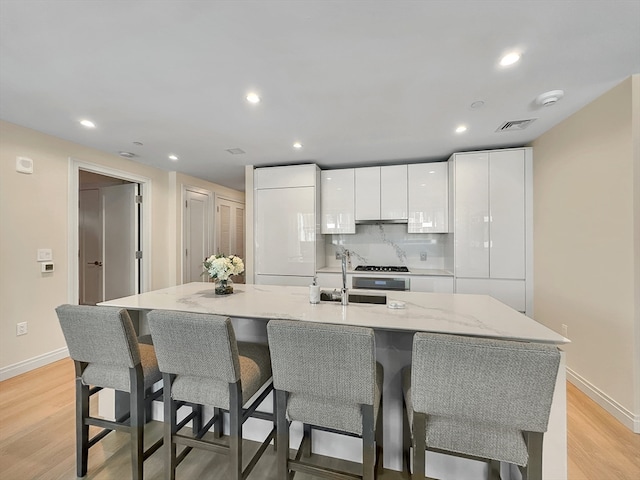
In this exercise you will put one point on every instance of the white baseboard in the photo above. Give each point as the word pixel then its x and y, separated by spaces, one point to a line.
pixel 33 363
pixel 624 416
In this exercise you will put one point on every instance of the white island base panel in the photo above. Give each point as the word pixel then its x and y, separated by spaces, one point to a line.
pixel 475 315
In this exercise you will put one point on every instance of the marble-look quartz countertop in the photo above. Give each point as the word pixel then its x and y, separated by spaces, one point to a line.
pixel 412 272
pixel 459 314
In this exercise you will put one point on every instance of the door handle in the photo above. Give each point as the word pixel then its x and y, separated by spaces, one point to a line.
pixel 96 263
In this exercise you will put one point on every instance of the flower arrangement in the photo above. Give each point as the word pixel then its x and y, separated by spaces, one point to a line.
pixel 221 267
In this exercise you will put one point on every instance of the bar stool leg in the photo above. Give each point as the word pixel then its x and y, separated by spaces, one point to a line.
pixel 82 430
pixel 235 431
pixel 282 431
pixel 170 428
pixel 419 445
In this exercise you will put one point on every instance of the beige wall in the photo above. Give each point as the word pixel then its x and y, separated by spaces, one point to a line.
pixel 586 245
pixel 34 214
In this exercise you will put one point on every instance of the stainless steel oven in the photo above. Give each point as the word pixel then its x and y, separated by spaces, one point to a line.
pixel 380 283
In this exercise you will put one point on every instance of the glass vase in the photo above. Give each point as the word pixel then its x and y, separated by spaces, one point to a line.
pixel 224 287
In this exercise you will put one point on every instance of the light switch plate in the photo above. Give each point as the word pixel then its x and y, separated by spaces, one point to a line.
pixel 45 254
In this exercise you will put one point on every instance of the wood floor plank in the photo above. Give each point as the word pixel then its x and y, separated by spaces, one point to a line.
pixel 37 439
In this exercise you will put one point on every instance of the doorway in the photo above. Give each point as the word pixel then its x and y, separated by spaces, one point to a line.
pixel 130 227
pixel 230 216
pixel 197 232
pixel 109 238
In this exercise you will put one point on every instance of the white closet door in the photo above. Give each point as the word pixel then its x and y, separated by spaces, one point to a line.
pixel 507 225
pixel 472 215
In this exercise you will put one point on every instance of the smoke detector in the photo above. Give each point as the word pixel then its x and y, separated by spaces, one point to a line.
pixel 549 98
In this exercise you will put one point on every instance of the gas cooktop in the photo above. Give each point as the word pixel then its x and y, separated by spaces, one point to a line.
pixel 375 268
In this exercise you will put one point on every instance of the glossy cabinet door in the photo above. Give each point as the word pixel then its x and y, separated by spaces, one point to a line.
pixel 282 177
pixel 367 181
pixel 337 201
pixel 432 284
pixel 428 197
pixel 285 233
pixel 510 292
pixel 471 238
pixel 393 192
pixel 507 214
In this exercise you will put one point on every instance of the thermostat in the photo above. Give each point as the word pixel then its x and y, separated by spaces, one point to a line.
pixel 47 267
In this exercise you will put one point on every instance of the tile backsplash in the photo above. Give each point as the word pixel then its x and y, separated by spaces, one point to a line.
pixel 390 244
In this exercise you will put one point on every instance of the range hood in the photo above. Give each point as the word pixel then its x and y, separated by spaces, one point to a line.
pixel 375 222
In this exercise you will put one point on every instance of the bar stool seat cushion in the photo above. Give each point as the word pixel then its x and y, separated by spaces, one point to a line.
pixel 255 370
pixel 329 414
pixel 117 377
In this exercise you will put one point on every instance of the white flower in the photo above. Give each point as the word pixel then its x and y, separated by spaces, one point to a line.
pixel 222 267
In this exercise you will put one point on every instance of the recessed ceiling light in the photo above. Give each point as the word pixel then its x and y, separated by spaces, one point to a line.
pixel 297 145
pixel 87 123
pixel 127 154
pixel 477 104
pixel 173 157
pixel 509 59
pixel 461 129
pixel 253 98
pixel 139 144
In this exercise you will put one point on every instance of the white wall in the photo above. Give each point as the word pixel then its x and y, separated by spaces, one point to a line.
pixel 34 214
pixel 586 241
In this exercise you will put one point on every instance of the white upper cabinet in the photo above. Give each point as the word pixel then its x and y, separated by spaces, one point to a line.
pixel 283 177
pixel 472 215
pixel 381 193
pixel 490 214
pixel 507 214
pixel 367 182
pixel 393 192
pixel 338 201
pixel 428 197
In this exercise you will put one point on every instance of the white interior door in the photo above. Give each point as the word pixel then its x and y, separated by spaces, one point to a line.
pixel 230 217
pixel 90 230
pixel 197 239
pixel 120 268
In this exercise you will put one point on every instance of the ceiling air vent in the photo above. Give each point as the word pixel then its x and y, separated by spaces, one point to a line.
pixel 515 125
pixel 235 151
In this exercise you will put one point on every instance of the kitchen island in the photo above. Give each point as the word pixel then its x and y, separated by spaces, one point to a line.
pixel 251 306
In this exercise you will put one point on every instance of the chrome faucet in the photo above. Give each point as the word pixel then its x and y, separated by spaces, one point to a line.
pixel 345 290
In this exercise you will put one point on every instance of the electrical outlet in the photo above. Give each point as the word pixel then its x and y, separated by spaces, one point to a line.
pixel 423 256
pixel 565 331
pixel 21 328
pixel 338 256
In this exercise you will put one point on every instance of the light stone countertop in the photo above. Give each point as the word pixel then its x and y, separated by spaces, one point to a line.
pixel 459 314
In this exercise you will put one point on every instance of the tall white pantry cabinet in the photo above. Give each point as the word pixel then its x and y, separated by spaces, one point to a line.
pixel 493 225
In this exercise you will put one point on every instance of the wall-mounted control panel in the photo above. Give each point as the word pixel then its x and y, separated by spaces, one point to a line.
pixel 47 267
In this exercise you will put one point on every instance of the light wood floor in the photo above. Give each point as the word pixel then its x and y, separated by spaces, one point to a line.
pixel 37 439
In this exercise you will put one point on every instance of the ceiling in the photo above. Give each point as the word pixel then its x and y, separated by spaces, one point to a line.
pixel 356 82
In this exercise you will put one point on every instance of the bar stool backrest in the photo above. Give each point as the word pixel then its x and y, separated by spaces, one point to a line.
pixel 99 335
pixel 193 344
pixel 494 381
pixel 323 361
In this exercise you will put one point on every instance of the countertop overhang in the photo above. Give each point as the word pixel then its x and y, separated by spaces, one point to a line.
pixel 458 314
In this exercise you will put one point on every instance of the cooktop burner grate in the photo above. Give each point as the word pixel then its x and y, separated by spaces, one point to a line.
pixel 376 268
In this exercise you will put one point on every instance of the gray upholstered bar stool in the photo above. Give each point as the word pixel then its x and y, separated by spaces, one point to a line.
pixel 327 377
pixel 103 345
pixel 478 398
pixel 202 364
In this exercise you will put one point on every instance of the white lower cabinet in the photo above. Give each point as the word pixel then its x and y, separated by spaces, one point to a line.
pixel 286 280
pixel 432 284
pixel 510 292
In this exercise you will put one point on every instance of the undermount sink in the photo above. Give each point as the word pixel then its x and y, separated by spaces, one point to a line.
pixel 334 296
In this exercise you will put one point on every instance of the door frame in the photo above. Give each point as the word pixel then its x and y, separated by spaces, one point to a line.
pixel 73 244
pixel 211 222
